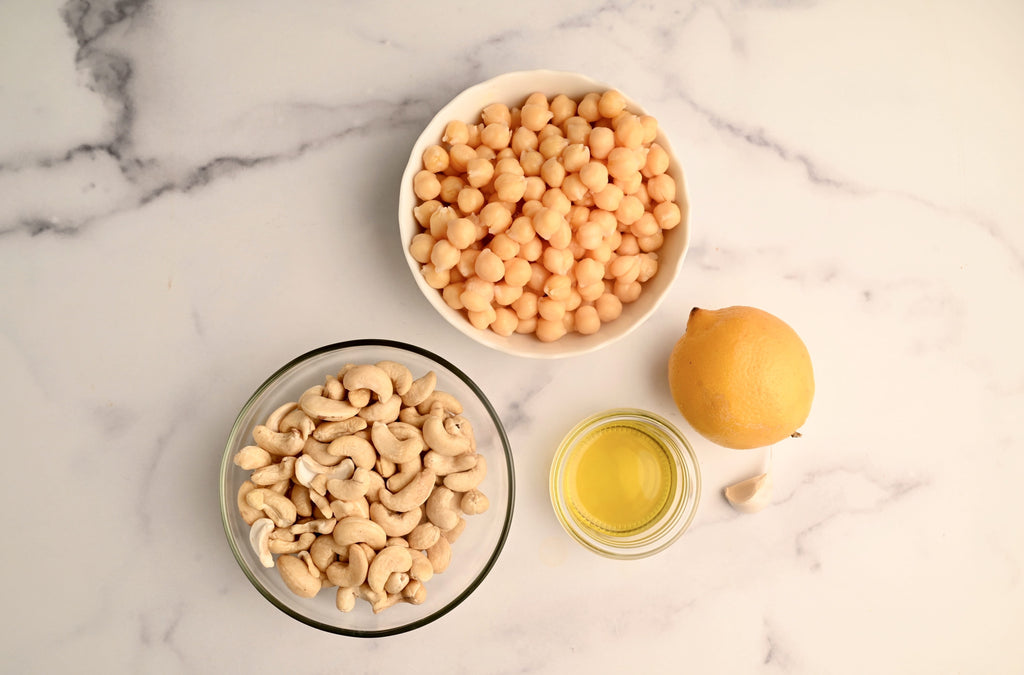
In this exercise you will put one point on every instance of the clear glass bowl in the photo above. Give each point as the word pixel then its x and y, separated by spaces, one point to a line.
pixel 682 473
pixel 473 555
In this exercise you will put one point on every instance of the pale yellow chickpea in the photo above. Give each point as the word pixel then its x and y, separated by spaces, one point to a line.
pixel 515 118
pixel 422 212
pixel 625 268
pixel 459 156
pixel 608 198
pixel 614 240
pixel 575 157
pixel 552 172
pixel 574 301
pixel 651 242
pixel 558 286
pixel 602 253
pixel 668 215
pixel 535 187
pixel 589 235
pixel 546 222
pixel 630 183
pixel 591 292
pixel 622 162
pixel 650 125
pixel 595 176
pixel 627 291
pixel 434 277
pixel 505 293
pixel 474 130
pixel 483 318
pixel 648 267
pixel 451 293
pixel 587 321
pixel 609 307
pixel 532 249
pixel 611 103
pixel 549 131
pixel 527 326
pixel 549 331
pixel 479 172
pixel 523 139
pixel 536 98
pixel 588 107
pixel 657 161
pixel 461 232
pixel 435 159
pixel 573 188
pixel 644 226
pixel 509 187
pixel 496 136
pixel 467 261
pixel 629 211
pixel 576 130
pixel 504 153
pixel 426 185
pixel 421 246
pixel 534 116
pixel 526 306
pixel 643 196
pixel 496 113
pixel 455 277
pixel 605 220
pixel 470 199
pixel 588 271
pixel 521 230
pixel 508 165
pixel 517 272
pixel 552 146
pixel 504 246
pixel 601 142
pixel 532 163
pixel 505 321
pixel 630 132
pixel 456 133
pixel 496 216
pixel 662 188
pixel 577 215
pixel 627 244
pixel 556 200
pixel 562 108
pixel 490 267
pixel 550 309
pixel 477 294
pixel 569 321
pixel 562 237
pixel 483 152
pixel 439 220
pixel 451 186
pixel 538 277
pixel 444 255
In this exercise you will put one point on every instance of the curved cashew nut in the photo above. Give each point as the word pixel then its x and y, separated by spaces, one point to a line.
pixel 299 420
pixel 398 442
pixel 308 469
pixel 333 388
pixel 354 530
pixel 281 443
pixel 319 407
pixel 353 507
pixel 259 539
pixel 274 473
pixel 412 417
pixel 359 449
pixel 301 544
pixel 422 569
pixel 440 555
pixel 406 472
pixel 249 514
pixel 318 451
pixel 322 503
pixel 458 425
pixel 370 377
pixel 438 439
pixel 382 411
pixel 444 465
pixel 465 481
pixel 391 559
pixel 423 536
pixel 412 495
pixel 316 526
pixel 401 377
pixel 323 551
pixel 252 457
pixel 274 419
pixel 395 524
pixel 415 593
pixel 396 583
pixel 326 432
pixel 449 403
pixel 360 398
pixel 385 467
pixel 351 573
pixel 345 600
pixel 456 532
pixel 398 541
pixel 442 508
pixel 295 574
pixel 474 502
pixel 299 495
pixel 277 507
pixel 420 389
pixel 350 488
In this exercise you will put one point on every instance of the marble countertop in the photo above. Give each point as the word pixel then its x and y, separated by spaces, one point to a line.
pixel 191 194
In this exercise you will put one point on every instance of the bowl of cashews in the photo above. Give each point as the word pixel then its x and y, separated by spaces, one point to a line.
pixel 367 488
pixel 544 214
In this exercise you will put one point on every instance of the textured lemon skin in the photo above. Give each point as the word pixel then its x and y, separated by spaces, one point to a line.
pixel 741 377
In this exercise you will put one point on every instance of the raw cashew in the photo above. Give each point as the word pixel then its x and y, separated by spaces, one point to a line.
pixel 423 536
pixel 442 508
pixel 319 407
pixel 422 569
pixel 318 451
pixel 395 524
pixel 326 432
pixel 376 485
pixel 273 421
pixel 350 573
pixel 249 514
pixel 300 421
pixel 369 377
pixel 439 440
pixel 420 389
pixel 350 488
pixel 448 403
pixel 277 507
pixel 385 467
pixel 281 443
pixel 301 544
pixel 316 525
pixel 353 530
pixel 359 449
pixel 299 495
pixel 398 442
pixel 396 583
pixel 397 541
pixel 474 502
pixel 464 481
pixel 252 457
pixel 382 411
pixel 360 398
pixel 306 558
pixel 323 551
pixel 444 465
pixel 412 417
pixel 412 495
pixel 296 576
pixel 259 539
pixel 457 425
pixel 274 473
pixel 391 559
pixel 333 388
pixel 308 469
pixel 353 507
pixel 345 601
pixel 440 555
pixel 406 472
pixel 456 532
pixel 401 377
pixel 415 593
pixel 322 504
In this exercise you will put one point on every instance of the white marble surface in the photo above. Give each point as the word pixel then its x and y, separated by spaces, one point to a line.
pixel 190 192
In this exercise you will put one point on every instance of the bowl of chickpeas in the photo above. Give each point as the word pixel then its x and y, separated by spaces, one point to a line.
pixel 544 214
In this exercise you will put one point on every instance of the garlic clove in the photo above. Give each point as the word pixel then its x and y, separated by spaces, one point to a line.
pixel 750 495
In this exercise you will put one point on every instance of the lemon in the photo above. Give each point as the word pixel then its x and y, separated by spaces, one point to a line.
pixel 741 377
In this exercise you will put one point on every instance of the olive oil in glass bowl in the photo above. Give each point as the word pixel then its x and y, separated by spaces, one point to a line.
pixel 625 483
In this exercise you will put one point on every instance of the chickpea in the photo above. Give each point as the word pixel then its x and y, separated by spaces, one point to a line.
pixel 630 210
pixel 496 113
pixel 622 162
pixel 662 188
pixel 521 230
pixel 434 277
pixel 504 246
pixel 496 135
pixel 488 266
pixel 627 291
pixel 456 133
pixel 439 221
pixel 426 185
pixel 508 165
pixel 505 294
pixel 608 307
pixel 435 159
pixel 630 183
pixel 611 104
pixel 549 331
pixel 588 107
pixel 629 132
pixel 627 245
pixel 423 211
pixel 589 235
pixel 532 249
pixel 588 271
pixel 556 200
pixel 625 268
pixel 549 130
pixel 552 146
pixel 668 215
pixel 505 321
pixel 587 321
pixel 451 186
pixel 557 260
pixel 577 130
pixel 459 156
pixel 483 152
pixel 477 294
pixel 552 172
pixel 470 199
pixel 461 233
pixel 504 153
pixel 614 240
pixel 532 162
pixel 573 189
pixel 517 272
pixel 538 277
pixel 421 246
pixel 602 254
pixel 595 176
pixel 547 221
pixel 558 286
pixel 652 242
pixel 479 172
pixel 526 306
pixel 467 261
pixel 575 157
pixel 577 215
pixel 608 198
pixel 496 217
pixel 657 161
pixel 644 226
pixel 531 207
pixel 535 116
pixel 509 187
pixel 648 267
pixel 523 139
pixel 550 309
pixel 601 142
pixel 444 255
pixel 451 293
pixel 535 187
pixel 650 125
pixel 483 318
pixel 591 292
pixel 561 238
pixel 527 326
pixel 562 108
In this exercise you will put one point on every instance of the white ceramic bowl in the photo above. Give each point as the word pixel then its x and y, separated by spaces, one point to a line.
pixel 473 554
pixel 512 89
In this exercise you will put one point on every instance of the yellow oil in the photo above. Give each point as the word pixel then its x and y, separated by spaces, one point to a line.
pixel 618 479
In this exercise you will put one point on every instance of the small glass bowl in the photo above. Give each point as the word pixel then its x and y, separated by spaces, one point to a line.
pixel 473 555
pixel 673 517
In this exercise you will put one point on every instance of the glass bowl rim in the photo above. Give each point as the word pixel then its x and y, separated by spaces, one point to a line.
pixel 226 464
